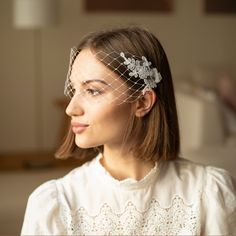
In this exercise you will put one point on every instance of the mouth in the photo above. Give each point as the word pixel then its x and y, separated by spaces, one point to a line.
pixel 78 128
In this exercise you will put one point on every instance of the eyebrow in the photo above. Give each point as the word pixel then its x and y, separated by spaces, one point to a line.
pixel 95 80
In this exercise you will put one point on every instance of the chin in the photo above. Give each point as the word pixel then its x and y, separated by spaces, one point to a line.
pixel 85 144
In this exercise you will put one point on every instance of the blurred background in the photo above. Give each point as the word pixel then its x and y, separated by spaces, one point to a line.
pixel 36 36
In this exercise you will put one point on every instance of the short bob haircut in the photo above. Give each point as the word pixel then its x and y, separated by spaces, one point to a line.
pixel 156 135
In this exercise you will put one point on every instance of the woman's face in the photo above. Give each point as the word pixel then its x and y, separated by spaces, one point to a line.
pixel 98 116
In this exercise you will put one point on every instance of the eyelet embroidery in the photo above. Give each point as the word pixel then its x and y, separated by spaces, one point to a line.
pixel 179 218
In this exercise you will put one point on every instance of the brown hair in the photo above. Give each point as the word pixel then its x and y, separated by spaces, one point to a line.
pixel 156 135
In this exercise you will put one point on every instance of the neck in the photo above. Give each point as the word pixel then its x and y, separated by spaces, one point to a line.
pixel 121 164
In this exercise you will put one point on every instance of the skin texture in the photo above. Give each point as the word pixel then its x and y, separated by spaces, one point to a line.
pixel 91 105
pixel 98 118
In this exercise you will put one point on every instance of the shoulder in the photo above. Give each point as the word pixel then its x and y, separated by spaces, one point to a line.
pixel 219 201
pixel 42 207
pixel 195 177
pixel 182 169
pixel 215 183
pixel 219 184
pixel 58 190
pixel 51 189
pixel 45 191
pixel 220 177
pixel 43 201
pixel 74 184
pixel 195 170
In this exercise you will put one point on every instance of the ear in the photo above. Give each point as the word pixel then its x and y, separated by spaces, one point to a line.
pixel 145 103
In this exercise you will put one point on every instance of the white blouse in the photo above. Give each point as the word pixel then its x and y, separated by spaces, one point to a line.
pixel 177 197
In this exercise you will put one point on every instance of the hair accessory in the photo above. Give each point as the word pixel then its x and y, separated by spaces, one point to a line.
pixel 125 78
pixel 68 89
pixel 141 68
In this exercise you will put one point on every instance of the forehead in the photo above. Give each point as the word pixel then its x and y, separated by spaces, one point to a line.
pixel 87 66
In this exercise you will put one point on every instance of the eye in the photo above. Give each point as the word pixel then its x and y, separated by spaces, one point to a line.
pixel 94 92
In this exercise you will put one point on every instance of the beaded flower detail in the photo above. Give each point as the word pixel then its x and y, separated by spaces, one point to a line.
pixel 142 69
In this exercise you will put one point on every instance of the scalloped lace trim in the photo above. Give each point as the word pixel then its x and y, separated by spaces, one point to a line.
pixel 179 218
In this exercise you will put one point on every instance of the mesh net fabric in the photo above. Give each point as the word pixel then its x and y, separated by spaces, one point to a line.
pixel 126 77
pixel 68 89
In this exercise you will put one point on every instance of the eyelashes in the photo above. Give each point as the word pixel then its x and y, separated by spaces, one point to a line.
pixel 92 92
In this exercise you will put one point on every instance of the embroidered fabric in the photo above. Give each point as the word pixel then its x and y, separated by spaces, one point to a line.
pixel 178 218
pixel 142 68
pixel 185 199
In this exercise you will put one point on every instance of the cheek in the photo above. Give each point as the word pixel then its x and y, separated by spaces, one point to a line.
pixel 115 116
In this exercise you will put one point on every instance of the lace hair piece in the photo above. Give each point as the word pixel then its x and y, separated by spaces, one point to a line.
pixel 125 77
pixel 141 68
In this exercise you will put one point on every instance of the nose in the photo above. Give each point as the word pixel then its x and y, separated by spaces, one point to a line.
pixel 74 108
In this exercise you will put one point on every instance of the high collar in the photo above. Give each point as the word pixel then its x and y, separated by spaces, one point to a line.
pixel 128 183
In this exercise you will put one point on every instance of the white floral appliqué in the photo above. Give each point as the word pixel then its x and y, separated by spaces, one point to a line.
pixel 142 69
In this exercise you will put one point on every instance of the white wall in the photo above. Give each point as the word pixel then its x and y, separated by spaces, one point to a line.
pixel 189 36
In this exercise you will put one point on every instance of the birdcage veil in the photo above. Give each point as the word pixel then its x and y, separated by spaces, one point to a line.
pixel 128 77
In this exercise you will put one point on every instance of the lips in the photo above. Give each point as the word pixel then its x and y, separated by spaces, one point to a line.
pixel 78 128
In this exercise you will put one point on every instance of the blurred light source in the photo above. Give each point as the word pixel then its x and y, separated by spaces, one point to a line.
pixel 33 14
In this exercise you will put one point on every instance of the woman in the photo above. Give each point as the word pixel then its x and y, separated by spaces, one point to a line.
pixel 124 124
